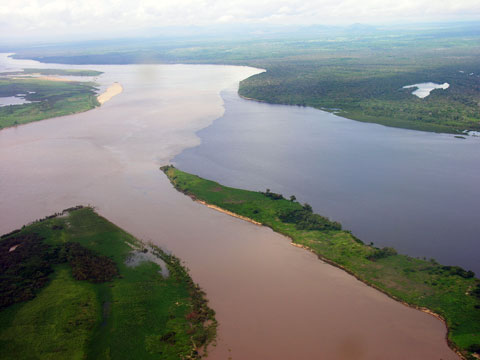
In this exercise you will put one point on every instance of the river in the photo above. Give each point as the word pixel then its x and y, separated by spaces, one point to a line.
pixel 273 300
pixel 416 191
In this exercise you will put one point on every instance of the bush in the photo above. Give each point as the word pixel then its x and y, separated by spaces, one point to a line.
pixel 25 265
pixel 476 292
pixel 475 348
pixel 457 270
pixel 273 196
pixel 86 265
pixel 382 253
pixel 306 220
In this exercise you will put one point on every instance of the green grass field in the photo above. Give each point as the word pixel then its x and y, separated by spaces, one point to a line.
pixel 50 99
pixel 451 292
pixel 140 314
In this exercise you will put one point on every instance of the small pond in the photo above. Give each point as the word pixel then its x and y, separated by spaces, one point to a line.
pixel 424 89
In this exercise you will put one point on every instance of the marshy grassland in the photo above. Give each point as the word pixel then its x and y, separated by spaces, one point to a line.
pixel 69 292
pixel 449 292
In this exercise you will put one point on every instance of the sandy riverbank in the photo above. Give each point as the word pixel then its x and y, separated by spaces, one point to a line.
pixel 112 91
pixel 228 212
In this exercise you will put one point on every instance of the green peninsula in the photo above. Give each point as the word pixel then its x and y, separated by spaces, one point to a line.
pixel 450 292
pixel 75 286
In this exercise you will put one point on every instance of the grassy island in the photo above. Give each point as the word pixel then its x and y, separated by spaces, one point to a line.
pixel 75 286
pixel 47 98
pixel 450 292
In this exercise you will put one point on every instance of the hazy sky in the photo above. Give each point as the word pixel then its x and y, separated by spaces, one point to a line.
pixel 63 17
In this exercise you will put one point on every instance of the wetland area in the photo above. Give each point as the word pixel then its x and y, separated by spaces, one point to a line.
pixel 272 300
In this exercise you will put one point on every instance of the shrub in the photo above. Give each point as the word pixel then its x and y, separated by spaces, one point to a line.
pixel 475 348
pixel 306 220
pixel 382 253
pixel 86 265
pixel 273 196
pixel 476 291
pixel 457 270
pixel 25 265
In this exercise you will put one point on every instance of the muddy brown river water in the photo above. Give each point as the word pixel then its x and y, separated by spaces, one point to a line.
pixel 273 300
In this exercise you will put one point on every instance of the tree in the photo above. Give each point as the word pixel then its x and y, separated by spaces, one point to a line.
pixel 308 207
pixel 293 198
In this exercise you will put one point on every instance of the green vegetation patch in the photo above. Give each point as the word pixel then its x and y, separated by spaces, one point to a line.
pixel 25 264
pixel 86 265
pixel 55 325
pixel 449 291
pixel 49 99
pixel 75 297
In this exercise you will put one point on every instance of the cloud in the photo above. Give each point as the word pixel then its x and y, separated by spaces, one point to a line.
pixel 50 16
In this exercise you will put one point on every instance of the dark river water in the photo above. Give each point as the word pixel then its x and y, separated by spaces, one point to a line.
pixel 272 300
pixel 416 191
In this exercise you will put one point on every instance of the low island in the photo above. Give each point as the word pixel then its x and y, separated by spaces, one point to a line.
pixel 75 286
pixel 45 94
pixel 447 292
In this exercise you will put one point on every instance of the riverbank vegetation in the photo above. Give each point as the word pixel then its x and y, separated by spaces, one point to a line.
pixel 47 99
pixel 449 291
pixel 68 292
pixel 357 71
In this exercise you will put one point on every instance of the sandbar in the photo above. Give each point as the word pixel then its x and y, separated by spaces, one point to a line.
pixel 112 91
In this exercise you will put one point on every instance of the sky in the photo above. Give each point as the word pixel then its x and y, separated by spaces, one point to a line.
pixel 63 18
